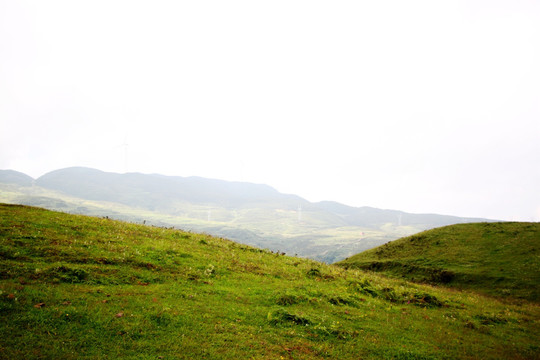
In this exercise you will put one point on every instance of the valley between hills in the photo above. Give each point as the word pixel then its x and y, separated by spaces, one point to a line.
pixel 252 214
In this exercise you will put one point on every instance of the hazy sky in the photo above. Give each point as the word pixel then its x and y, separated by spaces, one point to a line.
pixel 421 106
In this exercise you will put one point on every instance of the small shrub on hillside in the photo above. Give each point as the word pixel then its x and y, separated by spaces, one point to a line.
pixel 423 299
pixel 470 325
pixel 390 295
pixel 418 238
pixel 63 274
pixel 316 273
pixel 441 276
pixel 334 330
pixel 281 316
pixel 289 299
pixel 363 286
pixel 340 300
pixel 313 272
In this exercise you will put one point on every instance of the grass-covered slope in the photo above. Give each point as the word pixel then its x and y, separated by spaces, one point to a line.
pixel 501 259
pixel 78 287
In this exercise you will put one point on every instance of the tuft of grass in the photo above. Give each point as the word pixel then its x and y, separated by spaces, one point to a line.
pixel 76 286
pixel 281 316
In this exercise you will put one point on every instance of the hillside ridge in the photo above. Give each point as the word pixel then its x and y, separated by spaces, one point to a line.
pixel 499 259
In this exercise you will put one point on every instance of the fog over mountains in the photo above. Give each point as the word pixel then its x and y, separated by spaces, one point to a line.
pixel 255 214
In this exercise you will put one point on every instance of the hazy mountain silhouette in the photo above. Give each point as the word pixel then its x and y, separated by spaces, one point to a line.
pixel 15 177
pixel 155 191
pixel 369 216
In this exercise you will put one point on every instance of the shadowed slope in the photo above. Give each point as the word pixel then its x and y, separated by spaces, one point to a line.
pixel 495 258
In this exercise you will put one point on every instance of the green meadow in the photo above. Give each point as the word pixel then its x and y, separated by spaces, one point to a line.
pixel 75 287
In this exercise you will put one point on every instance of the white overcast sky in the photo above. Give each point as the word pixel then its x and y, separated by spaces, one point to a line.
pixel 421 106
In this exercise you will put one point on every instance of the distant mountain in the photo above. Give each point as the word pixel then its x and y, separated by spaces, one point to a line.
pixel 159 192
pixel 254 214
pixel 369 216
pixel 15 177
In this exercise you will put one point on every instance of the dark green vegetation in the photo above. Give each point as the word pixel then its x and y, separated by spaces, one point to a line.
pixel 79 287
pixel 500 259
pixel 253 214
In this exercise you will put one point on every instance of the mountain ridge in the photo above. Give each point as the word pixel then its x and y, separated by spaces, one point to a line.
pixel 43 180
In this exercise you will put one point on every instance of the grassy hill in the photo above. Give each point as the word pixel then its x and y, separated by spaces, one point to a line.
pixel 501 259
pixel 79 287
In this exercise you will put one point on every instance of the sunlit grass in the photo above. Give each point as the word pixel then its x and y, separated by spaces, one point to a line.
pixel 81 287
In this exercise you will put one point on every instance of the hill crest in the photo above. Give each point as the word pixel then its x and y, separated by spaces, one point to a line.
pixel 499 259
